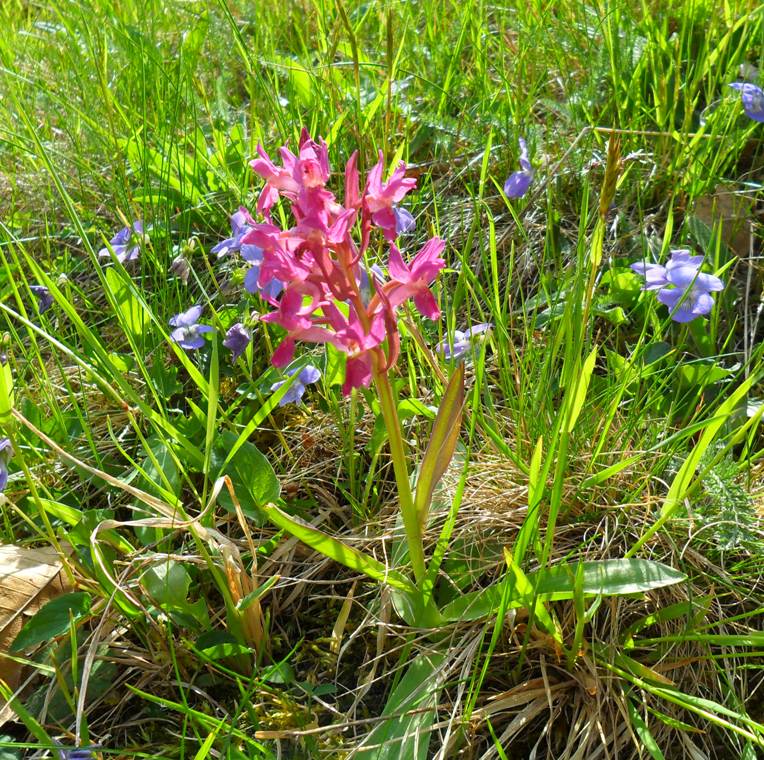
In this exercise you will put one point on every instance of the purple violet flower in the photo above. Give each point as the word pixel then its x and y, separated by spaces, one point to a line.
pixel 44 298
pixel 681 286
pixel 6 452
pixel 77 753
pixel 462 341
pixel 188 332
pixel 753 99
pixel 518 183
pixel 237 339
pixel 404 221
pixel 308 375
pixel 241 224
pixel 126 244
pixel 364 281
pixel 270 290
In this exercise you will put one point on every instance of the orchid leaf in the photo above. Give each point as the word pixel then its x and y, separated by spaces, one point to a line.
pixel 442 444
pixel 615 577
pixel 523 589
pixel 338 551
pixel 409 713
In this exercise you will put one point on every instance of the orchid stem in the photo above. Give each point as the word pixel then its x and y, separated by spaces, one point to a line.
pixel 398 455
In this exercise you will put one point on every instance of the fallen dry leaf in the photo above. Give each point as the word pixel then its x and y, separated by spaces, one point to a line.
pixel 28 579
pixel 731 210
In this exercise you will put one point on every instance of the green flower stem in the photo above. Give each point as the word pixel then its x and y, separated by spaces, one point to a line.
pixel 398 455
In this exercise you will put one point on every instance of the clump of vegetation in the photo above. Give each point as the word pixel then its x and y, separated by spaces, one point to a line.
pixel 453 453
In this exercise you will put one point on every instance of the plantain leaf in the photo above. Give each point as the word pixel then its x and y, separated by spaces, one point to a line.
pixel 440 449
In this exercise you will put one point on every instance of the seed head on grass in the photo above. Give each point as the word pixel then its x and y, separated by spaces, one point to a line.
pixel 188 332
pixel 681 285
pixel 612 171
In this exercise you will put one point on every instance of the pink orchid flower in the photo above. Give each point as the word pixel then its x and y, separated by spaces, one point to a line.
pixel 414 280
pixel 380 197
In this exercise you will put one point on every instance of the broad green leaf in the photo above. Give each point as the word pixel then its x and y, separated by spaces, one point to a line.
pixel 336 550
pixel 524 591
pixel 536 485
pixel 7 752
pixel 63 512
pixel 582 386
pixel 193 38
pixel 613 314
pixel 161 473
pixel 411 407
pixel 642 731
pixel 703 373
pixel 614 577
pixel 133 316
pixel 167 582
pixel 52 620
pixel 122 362
pixel 302 83
pixel 83 523
pixel 409 713
pixel 334 367
pixel 253 596
pixel 161 478
pixel 252 475
pixel 6 393
pixel 219 645
pixel 440 449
